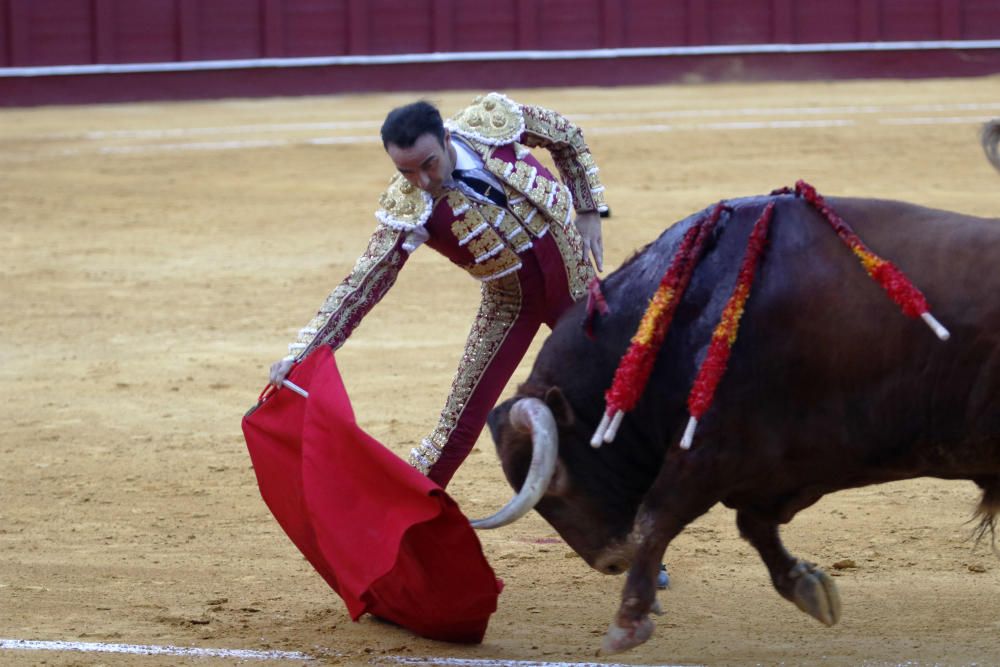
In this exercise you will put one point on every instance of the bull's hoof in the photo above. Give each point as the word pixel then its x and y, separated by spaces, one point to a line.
pixel 656 608
pixel 815 593
pixel 619 639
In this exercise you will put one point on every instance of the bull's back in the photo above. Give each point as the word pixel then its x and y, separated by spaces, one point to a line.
pixel 946 253
pixel 825 365
pixel 827 368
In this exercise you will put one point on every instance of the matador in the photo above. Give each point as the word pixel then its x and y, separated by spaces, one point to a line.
pixel 470 189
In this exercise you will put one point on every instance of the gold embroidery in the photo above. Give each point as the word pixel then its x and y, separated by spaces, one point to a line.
pixel 579 271
pixel 564 140
pixel 562 206
pixel 403 206
pixel 523 177
pixel 493 119
pixel 373 274
pixel 507 224
pixel 476 229
pixel 540 191
pixel 587 160
pixel 457 202
pixel 545 126
pixel 500 307
pixel 468 225
pixel 485 245
pixel 506 262
pixel 596 189
pixel 522 209
pixel 499 168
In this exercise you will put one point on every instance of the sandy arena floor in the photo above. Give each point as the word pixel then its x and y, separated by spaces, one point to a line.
pixel 156 258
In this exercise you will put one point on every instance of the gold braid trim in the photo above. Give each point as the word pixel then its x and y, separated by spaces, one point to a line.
pixel 579 271
pixel 564 140
pixel 374 273
pixel 486 245
pixel 467 226
pixel 403 206
pixel 503 264
pixel 492 119
pixel 509 226
pixel 540 193
pixel 498 310
pixel 457 202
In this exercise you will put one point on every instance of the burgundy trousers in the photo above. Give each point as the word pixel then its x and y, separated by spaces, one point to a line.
pixel 513 309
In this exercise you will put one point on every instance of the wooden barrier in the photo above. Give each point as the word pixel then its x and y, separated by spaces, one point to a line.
pixel 60 51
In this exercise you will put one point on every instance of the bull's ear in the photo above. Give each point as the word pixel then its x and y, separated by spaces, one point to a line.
pixel 561 410
pixel 560 484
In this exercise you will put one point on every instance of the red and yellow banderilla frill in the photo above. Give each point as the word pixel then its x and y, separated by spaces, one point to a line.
pixel 636 365
pixel 899 288
pixel 717 358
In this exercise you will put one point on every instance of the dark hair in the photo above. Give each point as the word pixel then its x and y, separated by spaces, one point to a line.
pixel 404 125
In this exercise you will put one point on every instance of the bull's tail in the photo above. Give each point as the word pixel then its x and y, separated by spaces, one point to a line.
pixel 991 142
pixel 986 513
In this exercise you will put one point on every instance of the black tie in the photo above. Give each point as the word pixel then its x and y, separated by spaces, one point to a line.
pixel 481 186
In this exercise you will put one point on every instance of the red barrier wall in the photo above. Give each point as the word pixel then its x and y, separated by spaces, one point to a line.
pixel 45 33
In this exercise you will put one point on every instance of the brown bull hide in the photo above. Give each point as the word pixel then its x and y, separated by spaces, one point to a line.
pixel 829 387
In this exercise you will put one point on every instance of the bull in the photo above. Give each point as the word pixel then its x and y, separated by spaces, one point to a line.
pixel 829 387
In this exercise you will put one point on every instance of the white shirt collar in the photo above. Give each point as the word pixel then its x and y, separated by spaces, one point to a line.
pixel 465 157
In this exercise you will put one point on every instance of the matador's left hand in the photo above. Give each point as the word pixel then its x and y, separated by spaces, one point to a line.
pixel 589 225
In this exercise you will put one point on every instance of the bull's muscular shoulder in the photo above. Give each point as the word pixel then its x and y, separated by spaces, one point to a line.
pixel 403 206
pixel 492 119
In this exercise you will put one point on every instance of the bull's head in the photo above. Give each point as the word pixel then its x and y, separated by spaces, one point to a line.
pixel 538 441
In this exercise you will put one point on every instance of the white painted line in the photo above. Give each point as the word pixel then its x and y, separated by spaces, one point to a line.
pixel 144 649
pixel 718 127
pixel 596 130
pixel 246 654
pixel 792 111
pixel 324 141
pixel 482 662
pixel 226 145
pixel 849 110
pixel 195 146
pixel 935 120
pixel 487 56
pixel 227 129
pixel 350 140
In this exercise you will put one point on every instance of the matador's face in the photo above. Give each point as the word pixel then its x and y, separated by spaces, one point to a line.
pixel 427 164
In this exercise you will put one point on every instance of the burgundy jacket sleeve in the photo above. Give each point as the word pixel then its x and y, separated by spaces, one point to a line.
pixel 564 140
pixel 374 273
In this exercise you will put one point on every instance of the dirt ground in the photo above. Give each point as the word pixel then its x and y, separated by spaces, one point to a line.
pixel 156 258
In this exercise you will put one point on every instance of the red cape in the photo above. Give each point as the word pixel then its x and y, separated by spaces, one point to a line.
pixel 388 540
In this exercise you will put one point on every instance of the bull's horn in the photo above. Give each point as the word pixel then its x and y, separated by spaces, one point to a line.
pixel 533 416
pixel 991 142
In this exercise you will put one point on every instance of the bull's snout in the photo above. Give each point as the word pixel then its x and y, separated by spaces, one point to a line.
pixel 611 563
pixel 614 558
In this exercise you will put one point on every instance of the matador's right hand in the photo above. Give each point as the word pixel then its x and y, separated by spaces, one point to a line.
pixel 279 370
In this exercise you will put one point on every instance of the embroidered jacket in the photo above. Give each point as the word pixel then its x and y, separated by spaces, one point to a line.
pixel 482 238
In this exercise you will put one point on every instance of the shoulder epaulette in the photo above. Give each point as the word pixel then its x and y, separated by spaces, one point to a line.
pixel 492 119
pixel 403 206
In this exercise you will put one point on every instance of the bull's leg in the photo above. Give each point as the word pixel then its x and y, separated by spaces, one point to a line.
pixel 674 501
pixel 810 588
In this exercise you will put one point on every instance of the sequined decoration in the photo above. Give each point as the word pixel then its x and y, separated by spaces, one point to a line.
pixel 547 129
pixel 373 274
pixel 492 119
pixel 500 306
pixel 403 206
pixel 579 270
